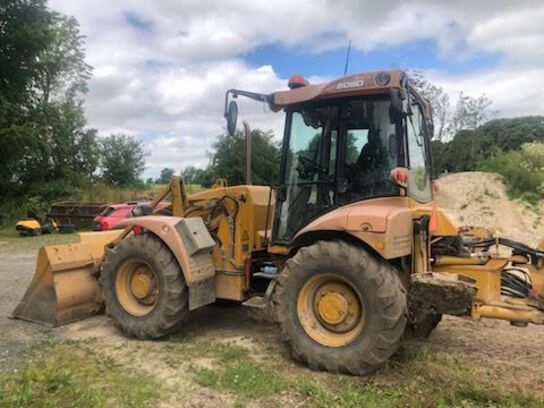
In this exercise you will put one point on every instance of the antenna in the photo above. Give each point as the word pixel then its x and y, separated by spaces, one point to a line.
pixel 347 58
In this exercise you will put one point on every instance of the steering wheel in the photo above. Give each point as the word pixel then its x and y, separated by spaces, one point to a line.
pixel 308 165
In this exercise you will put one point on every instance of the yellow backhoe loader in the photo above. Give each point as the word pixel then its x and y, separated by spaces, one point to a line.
pixel 349 249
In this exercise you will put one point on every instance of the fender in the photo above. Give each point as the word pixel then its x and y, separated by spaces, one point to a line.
pixel 187 238
pixel 383 224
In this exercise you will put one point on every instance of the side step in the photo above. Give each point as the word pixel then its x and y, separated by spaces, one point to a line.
pixel 256 301
pixel 261 302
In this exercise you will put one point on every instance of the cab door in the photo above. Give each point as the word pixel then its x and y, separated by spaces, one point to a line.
pixel 308 175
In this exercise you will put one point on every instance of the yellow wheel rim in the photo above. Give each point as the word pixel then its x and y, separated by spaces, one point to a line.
pixel 137 288
pixel 330 310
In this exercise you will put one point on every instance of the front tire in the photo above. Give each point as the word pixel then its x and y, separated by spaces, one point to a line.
pixel 143 287
pixel 339 308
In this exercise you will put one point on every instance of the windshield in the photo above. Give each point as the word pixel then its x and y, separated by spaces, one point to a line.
pixel 335 154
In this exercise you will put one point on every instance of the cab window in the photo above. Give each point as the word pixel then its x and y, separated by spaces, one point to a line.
pixel 369 156
pixel 419 180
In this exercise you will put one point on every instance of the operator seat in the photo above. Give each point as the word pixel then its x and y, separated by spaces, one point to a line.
pixel 372 153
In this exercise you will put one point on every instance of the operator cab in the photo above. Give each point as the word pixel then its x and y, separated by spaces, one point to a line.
pixel 339 151
pixel 341 142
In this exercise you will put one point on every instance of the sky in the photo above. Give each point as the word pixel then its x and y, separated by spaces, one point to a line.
pixel 161 67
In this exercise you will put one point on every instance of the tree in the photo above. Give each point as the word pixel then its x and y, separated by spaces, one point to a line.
pixel 43 78
pixel 122 160
pixel 439 99
pixel 166 175
pixel 62 72
pixel 469 148
pixel 24 35
pixel 228 159
pixel 468 113
pixel 193 175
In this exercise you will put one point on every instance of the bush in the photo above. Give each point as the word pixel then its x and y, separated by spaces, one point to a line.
pixel 469 147
pixel 522 171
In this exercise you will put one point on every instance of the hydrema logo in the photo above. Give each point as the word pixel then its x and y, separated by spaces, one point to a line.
pixel 350 84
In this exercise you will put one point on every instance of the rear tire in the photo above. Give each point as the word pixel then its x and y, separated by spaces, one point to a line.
pixel 143 287
pixel 345 275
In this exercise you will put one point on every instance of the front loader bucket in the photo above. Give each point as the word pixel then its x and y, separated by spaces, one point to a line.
pixel 64 287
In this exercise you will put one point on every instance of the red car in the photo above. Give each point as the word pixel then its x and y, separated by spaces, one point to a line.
pixel 112 215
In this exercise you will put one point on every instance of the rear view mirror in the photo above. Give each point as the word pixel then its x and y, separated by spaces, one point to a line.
pixel 396 110
pixel 232 117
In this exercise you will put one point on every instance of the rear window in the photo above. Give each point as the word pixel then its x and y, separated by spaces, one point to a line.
pixel 120 212
pixel 107 211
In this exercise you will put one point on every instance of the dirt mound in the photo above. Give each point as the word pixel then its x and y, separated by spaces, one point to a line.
pixel 480 199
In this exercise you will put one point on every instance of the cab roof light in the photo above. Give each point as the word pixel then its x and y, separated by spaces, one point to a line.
pixel 297 81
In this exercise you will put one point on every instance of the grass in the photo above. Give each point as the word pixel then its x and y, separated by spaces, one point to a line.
pixel 412 379
pixel 246 379
pixel 72 374
pixel 347 393
pixel 33 243
pixel 491 194
pixel 427 379
pixel 63 375
pixel 188 347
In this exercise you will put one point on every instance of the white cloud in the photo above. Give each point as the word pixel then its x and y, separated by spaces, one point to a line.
pixel 513 93
pixel 163 77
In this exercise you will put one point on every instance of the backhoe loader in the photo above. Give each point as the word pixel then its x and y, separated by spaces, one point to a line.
pixel 348 249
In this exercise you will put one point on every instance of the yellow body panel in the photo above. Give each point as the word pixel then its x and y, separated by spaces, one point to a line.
pixel 239 231
pixel 30 224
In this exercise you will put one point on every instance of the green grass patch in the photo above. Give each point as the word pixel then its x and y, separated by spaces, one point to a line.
pixel 412 379
pixel 33 243
pixel 191 348
pixel 246 379
pixel 347 392
pixel 417 379
pixel 64 375
pixel 425 379
pixel 233 369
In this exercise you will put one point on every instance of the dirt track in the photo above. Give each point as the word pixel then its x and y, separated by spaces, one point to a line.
pixel 16 270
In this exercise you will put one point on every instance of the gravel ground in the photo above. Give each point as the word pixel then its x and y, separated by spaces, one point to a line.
pixel 16 270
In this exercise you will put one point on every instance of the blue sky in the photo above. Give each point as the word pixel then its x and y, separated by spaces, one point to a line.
pixel 161 67
pixel 421 55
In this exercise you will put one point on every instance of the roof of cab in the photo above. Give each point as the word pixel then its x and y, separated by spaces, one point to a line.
pixel 365 83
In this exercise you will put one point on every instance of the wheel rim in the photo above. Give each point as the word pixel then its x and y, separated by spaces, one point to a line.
pixel 330 310
pixel 137 288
